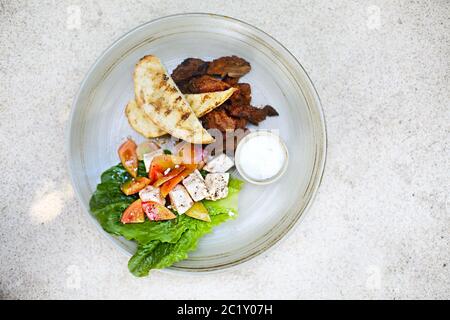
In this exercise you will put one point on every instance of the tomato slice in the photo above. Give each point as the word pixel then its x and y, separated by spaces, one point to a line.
pixel 160 164
pixel 134 213
pixel 157 212
pixel 171 174
pixel 128 157
pixel 135 185
pixel 198 211
pixel 169 185
pixel 155 173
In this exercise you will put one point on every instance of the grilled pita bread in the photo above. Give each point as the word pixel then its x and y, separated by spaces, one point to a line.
pixel 201 104
pixel 140 122
pixel 159 97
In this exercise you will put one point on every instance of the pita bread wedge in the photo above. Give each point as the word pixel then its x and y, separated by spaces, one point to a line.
pixel 140 122
pixel 201 104
pixel 157 94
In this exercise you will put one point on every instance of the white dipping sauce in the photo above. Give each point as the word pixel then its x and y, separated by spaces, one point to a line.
pixel 262 157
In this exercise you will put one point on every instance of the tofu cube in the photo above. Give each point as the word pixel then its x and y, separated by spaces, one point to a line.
pixel 217 185
pixel 180 199
pixel 221 163
pixel 195 185
pixel 151 193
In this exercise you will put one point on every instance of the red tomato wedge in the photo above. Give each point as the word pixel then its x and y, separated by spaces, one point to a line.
pixel 135 185
pixel 134 213
pixel 157 212
pixel 169 185
pixel 128 157
pixel 154 174
pixel 160 164
pixel 171 174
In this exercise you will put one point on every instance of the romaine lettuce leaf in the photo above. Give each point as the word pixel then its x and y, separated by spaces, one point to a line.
pixel 162 243
pixel 228 204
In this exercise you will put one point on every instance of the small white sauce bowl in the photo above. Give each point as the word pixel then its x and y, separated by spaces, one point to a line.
pixel 241 146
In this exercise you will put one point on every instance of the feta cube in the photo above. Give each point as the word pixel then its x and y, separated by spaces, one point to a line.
pixel 195 185
pixel 217 185
pixel 221 163
pixel 151 193
pixel 148 158
pixel 180 199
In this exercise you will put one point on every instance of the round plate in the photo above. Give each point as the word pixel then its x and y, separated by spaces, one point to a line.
pixel 266 213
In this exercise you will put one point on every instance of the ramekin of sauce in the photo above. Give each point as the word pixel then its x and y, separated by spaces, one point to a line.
pixel 261 157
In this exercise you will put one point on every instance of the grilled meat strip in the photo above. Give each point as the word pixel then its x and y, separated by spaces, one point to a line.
pixel 231 66
pixel 219 119
pixel 189 68
pixel 252 114
pixel 271 112
pixel 231 81
pixel 243 96
pixel 206 83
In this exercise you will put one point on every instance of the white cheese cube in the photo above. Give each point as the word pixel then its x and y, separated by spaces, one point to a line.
pixel 151 193
pixel 180 199
pixel 217 185
pixel 148 158
pixel 221 163
pixel 195 185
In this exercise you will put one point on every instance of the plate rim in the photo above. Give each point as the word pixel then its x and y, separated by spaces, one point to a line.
pixel 321 165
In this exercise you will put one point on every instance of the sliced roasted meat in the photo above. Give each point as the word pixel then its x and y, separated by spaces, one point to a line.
pixel 230 80
pixel 184 86
pixel 206 83
pixel 219 119
pixel 271 112
pixel 189 68
pixel 252 114
pixel 197 76
pixel 231 66
pixel 240 123
pixel 243 96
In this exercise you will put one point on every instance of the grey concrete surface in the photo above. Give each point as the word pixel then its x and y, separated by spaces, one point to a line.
pixel 379 227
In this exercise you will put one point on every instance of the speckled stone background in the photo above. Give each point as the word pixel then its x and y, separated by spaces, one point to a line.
pixel 379 227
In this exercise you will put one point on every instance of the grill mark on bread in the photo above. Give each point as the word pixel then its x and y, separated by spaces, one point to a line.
pixel 167 111
pixel 184 116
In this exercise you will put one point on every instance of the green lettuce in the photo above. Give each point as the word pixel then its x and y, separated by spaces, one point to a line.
pixel 162 243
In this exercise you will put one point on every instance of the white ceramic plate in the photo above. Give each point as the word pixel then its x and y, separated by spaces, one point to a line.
pixel 266 213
